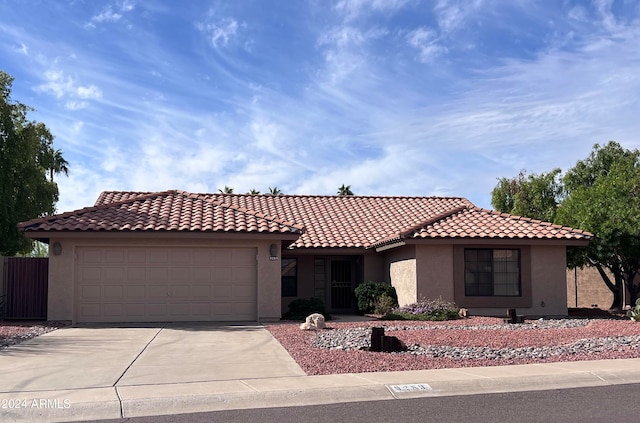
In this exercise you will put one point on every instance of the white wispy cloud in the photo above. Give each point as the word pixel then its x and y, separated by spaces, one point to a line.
pixel 111 13
pixel 427 42
pixel 352 9
pixel 342 100
pixel 219 33
pixel 62 86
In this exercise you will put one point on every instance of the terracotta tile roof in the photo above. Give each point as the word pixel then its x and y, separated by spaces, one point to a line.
pixel 474 222
pixel 322 221
pixel 162 211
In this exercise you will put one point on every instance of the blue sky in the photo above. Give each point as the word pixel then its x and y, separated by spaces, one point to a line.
pixel 392 97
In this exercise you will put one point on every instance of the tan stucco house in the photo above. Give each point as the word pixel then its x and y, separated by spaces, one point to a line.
pixel 178 256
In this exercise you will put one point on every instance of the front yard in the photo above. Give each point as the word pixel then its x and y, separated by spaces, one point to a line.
pixel 477 341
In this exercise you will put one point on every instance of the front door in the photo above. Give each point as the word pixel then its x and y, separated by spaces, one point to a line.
pixel 342 278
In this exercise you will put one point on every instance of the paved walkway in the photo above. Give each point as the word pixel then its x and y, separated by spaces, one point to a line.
pixel 94 372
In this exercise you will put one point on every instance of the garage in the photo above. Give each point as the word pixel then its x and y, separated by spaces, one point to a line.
pixel 156 284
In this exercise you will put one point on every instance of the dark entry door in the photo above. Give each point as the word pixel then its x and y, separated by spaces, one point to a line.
pixel 342 277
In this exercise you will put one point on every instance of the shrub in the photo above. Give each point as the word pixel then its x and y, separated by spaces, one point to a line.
pixel 368 293
pixel 384 304
pixel 425 310
pixel 302 307
pixel 634 313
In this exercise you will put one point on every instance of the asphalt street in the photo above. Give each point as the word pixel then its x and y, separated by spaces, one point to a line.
pixel 616 403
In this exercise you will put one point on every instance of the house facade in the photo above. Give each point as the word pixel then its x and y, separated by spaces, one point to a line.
pixel 178 256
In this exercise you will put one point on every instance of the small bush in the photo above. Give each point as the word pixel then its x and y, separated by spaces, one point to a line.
pixel 434 310
pixel 634 313
pixel 384 304
pixel 368 293
pixel 302 307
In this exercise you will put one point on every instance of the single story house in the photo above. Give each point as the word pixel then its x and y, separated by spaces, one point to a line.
pixel 179 256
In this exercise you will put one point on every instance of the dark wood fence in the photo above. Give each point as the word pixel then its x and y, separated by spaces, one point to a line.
pixel 25 283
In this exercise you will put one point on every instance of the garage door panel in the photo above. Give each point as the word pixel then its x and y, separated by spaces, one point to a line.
pixel 243 275
pixel 158 274
pixel 242 257
pixel 135 255
pixel 133 310
pixel 136 274
pixel 157 256
pixel 112 310
pixel 91 292
pixel 113 291
pixel 157 291
pixel 118 284
pixel 179 309
pixel 90 310
pixel 90 274
pixel 113 274
pixel 156 310
pixel 179 291
pixel 114 256
pixel 135 291
pixel 90 255
pixel 200 274
pixel 200 291
pixel 179 256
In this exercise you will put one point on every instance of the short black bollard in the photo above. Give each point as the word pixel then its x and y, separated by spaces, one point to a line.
pixel 377 339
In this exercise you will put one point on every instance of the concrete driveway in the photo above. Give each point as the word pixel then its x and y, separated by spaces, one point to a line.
pixel 107 356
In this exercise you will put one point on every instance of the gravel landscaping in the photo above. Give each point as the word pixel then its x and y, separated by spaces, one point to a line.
pixel 14 332
pixel 477 341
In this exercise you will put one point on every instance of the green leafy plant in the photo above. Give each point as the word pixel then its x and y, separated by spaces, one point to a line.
pixel 302 307
pixel 369 292
pixel 634 313
pixel 425 309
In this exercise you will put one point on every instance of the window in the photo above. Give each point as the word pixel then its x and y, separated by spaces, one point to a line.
pixel 492 272
pixel 289 277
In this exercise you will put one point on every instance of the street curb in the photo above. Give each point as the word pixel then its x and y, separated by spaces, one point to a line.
pixel 150 400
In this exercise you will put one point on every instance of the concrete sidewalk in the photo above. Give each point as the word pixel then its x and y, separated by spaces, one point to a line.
pixel 143 371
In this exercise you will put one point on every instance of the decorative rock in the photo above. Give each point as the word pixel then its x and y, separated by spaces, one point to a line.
pixel 313 322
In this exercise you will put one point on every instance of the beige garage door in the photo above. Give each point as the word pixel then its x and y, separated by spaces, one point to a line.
pixel 128 284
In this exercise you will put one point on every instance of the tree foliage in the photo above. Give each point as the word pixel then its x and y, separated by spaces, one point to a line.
pixel 534 196
pixel 27 157
pixel 274 191
pixel 604 198
pixel 344 190
pixel 600 194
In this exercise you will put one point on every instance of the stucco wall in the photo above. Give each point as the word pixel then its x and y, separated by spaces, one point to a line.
pixel 549 281
pixel 401 263
pixel 434 268
pixel 374 267
pixel 61 297
pixel 585 288
pixel 548 292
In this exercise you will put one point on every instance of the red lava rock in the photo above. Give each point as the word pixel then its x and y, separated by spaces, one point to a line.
pixel 321 361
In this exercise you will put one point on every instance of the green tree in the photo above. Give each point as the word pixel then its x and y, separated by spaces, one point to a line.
pixel 25 191
pixel 534 196
pixel 274 191
pixel 226 190
pixel 253 191
pixel 344 190
pixel 603 197
pixel 600 194
pixel 55 163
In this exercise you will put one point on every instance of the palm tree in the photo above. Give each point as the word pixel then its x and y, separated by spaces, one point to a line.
pixel 226 190
pixel 275 191
pixel 253 191
pixel 345 190
pixel 55 163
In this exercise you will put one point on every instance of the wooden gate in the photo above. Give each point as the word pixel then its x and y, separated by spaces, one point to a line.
pixel 25 288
